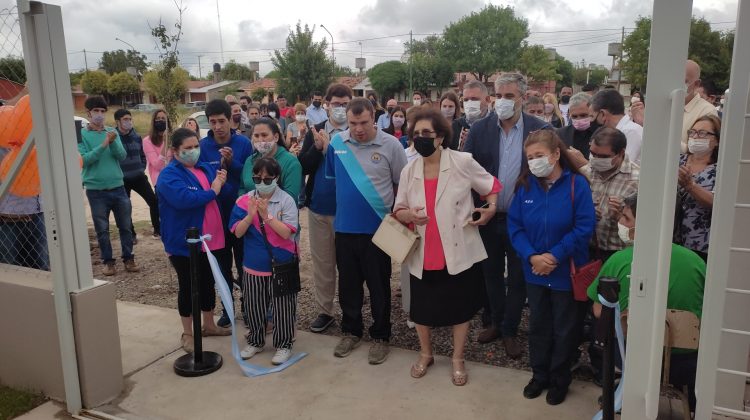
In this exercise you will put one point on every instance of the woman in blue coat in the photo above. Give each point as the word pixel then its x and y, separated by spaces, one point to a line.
pixel 550 222
pixel 187 193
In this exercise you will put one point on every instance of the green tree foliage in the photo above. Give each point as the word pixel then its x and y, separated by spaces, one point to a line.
pixel 75 78
pixel 157 85
pixel 535 64
pixel 389 78
pixel 485 42
pixel 273 74
pixel 595 76
pixel 13 69
pixel 565 70
pixel 168 81
pixel 344 71
pixel 303 66
pixel 258 94
pixel 430 69
pixel 236 71
pixel 94 83
pixel 122 84
pixel 118 61
pixel 712 50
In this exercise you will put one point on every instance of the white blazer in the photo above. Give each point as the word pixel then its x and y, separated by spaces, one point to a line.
pixel 459 174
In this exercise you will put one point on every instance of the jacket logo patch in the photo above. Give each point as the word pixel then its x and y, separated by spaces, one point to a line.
pixel 375 157
pixel 192 188
pixel 528 201
pixel 340 152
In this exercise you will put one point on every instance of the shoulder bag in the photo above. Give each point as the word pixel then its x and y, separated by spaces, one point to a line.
pixel 395 239
pixel 284 276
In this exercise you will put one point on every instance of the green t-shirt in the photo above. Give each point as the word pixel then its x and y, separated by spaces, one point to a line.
pixel 687 275
pixel 291 173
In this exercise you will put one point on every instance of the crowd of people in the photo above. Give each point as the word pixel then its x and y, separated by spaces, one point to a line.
pixel 509 192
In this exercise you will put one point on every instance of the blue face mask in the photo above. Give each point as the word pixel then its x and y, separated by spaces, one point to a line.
pixel 190 157
pixel 266 190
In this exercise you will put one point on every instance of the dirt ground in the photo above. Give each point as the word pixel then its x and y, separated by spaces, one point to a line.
pixel 156 284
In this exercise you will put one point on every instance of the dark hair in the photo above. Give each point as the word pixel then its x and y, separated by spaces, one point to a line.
pixel 551 140
pixel 180 135
pixel 187 120
pixel 263 107
pixel 269 165
pixel 247 98
pixel 253 106
pixel 95 102
pixel 232 103
pixel 218 107
pixel 709 87
pixel 631 202
pixel 121 113
pixel 416 92
pixel 590 87
pixel 608 86
pixel 340 90
pixel 534 100
pixel 640 95
pixel 280 97
pixel 274 127
pixel 274 107
pixel 608 99
pixel 391 129
pixel 440 124
pixel 152 132
pixel 359 105
pixel 453 98
pixel 316 93
pixel 612 137
pixel 716 124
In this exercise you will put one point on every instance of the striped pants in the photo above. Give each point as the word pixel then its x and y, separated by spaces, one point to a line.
pixel 258 297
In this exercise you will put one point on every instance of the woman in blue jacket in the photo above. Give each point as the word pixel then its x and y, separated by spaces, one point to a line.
pixel 187 193
pixel 550 222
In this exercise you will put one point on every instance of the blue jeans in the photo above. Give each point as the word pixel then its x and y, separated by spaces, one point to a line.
pixel 116 201
pixel 24 242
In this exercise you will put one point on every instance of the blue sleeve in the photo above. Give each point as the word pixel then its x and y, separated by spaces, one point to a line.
pixel 516 230
pixel 204 151
pixel 175 191
pixel 469 143
pixel 330 168
pixel 237 214
pixel 239 156
pixel 585 221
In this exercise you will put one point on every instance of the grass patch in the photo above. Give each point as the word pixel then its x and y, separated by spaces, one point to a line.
pixel 141 119
pixel 140 225
pixel 13 402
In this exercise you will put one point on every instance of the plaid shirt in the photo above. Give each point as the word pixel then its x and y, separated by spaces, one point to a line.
pixel 622 183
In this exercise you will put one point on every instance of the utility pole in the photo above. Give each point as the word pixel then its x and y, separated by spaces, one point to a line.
pixel 619 72
pixel 85 59
pixel 200 75
pixel 333 54
pixel 221 41
pixel 411 49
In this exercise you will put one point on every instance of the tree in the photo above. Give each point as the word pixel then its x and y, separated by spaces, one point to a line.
pixel 303 66
pixel 172 91
pixel 13 69
pixel 118 61
pixel 94 83
pixel 168 82
pixel 485 42
pixel 122 84
pixel 343 71
pixel 258 94
pixel 236 71
pixel 273 74
pixel 596 75
pixel 565 70
pixel 75 77
pixel 430 69
pixel 389 78
pixel 535 64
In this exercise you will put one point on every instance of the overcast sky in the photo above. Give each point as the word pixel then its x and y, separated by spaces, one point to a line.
pixel 252 29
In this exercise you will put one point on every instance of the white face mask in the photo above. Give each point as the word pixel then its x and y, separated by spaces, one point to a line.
pixel 624 233
pixel 448 112
pixel 505 108
pixel 601 164
pixel 541 167
pixel 263 147
pixel 272 114
pixel 473 109
pixel 300 118
pixel 338 114
pixel 417 102
pixel 698 147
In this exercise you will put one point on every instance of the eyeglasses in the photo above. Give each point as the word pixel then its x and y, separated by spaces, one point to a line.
pixel 267 181
pixel 424 133
pixel 700 134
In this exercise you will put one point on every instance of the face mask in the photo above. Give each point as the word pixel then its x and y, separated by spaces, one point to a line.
pixel 390 109
pixel 236 118
pixel 316 104
pixel 191 156
pixel 338 115
pixel 264 189
pixel 244 107
pixel 417 102
pixel 300 118
pixel 272 114
pixel 263 147
pixel 97 119
pixel 398 122
pixel 601 164
pixel 624 233
pixel 548 108
pixel 698 147
pixel 505 108
pixel 425 146
pixel 160 126
pixel 473 109
pixel 635 99
pixel 541 167
pixel 582 124
pixel 565 99
pixel 540 118
pixel 126 125
pixel 448 112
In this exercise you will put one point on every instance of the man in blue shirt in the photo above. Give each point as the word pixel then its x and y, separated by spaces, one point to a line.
pixel 384 121
pixel 367 164
pixel 315 112
pixel 496 142
pixel 225 148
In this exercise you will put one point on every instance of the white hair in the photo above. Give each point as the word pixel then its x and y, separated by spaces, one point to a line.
pixel 476 84
pixel 509 78
pixel 580 98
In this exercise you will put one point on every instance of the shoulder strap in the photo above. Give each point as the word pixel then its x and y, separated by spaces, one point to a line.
pixel 265 239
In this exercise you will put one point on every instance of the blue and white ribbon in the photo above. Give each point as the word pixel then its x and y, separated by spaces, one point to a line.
pixel 226 298
pixel 621 344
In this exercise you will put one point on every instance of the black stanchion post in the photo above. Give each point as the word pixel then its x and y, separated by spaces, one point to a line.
pixel 200 362
pixel 609 288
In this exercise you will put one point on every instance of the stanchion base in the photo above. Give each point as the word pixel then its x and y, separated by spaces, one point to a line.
pixel 186 366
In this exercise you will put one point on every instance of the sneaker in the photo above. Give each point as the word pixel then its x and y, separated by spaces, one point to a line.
pixel 488 335
pixel 281 356
pixel 250 351
pixel 224 321
pixel 109 269
pixel 321 323
pixel 156 235
pixel 556 395
pixel 534 389
pixel 410 324
pixel 346 345
pixel 378 352
pixel 131 267
pixel 512 349
pixel 135 240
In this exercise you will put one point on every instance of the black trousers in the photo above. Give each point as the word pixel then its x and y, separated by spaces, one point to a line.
pixel 360 261
pixel 205 282
pixel 141 186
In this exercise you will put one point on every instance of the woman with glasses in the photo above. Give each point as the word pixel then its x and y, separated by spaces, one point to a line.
pixel 697 179
pixel 269 142
pixel 434 194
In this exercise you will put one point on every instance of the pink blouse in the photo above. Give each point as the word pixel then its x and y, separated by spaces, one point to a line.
pixel 156 161
pixel 212 220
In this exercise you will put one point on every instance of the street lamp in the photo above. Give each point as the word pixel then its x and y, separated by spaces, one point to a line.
pixel 126 43
pixel 333 56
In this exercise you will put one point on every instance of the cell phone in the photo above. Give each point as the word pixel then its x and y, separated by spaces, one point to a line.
pixel 477 215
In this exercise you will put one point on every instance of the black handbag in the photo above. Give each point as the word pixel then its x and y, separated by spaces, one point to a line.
pixel 285 278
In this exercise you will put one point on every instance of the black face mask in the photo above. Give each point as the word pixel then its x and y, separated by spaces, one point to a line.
pixel 160 126
pixel 236 118
pixel 565 99
pixel 594 125
pixel 425 146
pixel 390 109
pixel 316 104
pixel 244 107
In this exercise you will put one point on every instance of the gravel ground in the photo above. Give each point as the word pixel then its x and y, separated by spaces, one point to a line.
pixel 156 284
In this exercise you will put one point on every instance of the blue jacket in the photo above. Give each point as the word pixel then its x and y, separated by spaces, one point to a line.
pixel 182 204
pixel 542 221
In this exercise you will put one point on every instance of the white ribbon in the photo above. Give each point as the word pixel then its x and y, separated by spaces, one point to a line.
pixel 621 345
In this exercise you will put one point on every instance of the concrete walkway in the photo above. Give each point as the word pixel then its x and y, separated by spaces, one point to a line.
pixel 318 387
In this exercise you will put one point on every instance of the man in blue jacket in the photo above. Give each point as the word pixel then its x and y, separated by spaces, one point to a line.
pixel 496 142
pixel 225 148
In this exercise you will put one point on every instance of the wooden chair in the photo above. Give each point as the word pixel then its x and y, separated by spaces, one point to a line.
pixel 682 331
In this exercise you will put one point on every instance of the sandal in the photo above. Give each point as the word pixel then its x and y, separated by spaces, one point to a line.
pixel 459 376
pixel 186 340
pixel 419 369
